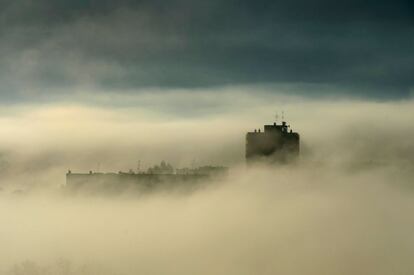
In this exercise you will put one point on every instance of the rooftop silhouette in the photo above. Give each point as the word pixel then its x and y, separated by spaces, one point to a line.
pixel 276 144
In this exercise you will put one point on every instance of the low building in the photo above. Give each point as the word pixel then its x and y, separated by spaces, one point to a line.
pixel 159 177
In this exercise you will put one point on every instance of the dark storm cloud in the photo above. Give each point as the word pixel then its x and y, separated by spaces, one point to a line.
pixel 364 46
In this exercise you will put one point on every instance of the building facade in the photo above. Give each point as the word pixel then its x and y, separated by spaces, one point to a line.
pixel 276 144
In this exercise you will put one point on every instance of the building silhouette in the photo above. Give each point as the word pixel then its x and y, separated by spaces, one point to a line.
pixel 276 144
pixel 158 177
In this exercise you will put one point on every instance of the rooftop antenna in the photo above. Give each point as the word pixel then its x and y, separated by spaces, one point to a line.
pixel 276 116
pixel 283 115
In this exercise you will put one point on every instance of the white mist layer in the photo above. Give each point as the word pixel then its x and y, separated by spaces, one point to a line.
pixel 39 143
pixel 345 208
pixel 301 220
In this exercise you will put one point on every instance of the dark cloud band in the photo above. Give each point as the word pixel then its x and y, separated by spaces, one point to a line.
pixel 361 45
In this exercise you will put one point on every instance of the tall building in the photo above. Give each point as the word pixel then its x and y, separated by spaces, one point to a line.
pixel 276 144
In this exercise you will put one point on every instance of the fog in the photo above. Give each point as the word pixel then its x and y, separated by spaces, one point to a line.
pixel 344 208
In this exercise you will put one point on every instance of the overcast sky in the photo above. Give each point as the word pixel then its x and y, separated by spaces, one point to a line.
pixel 52 48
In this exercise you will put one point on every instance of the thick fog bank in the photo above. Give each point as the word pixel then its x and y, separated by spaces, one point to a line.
pixel 38 144
pixel 291 220
pixel 344 208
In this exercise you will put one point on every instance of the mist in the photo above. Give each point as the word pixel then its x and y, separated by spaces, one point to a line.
pixel 109 86
pixel 288 220
pixel 344 208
